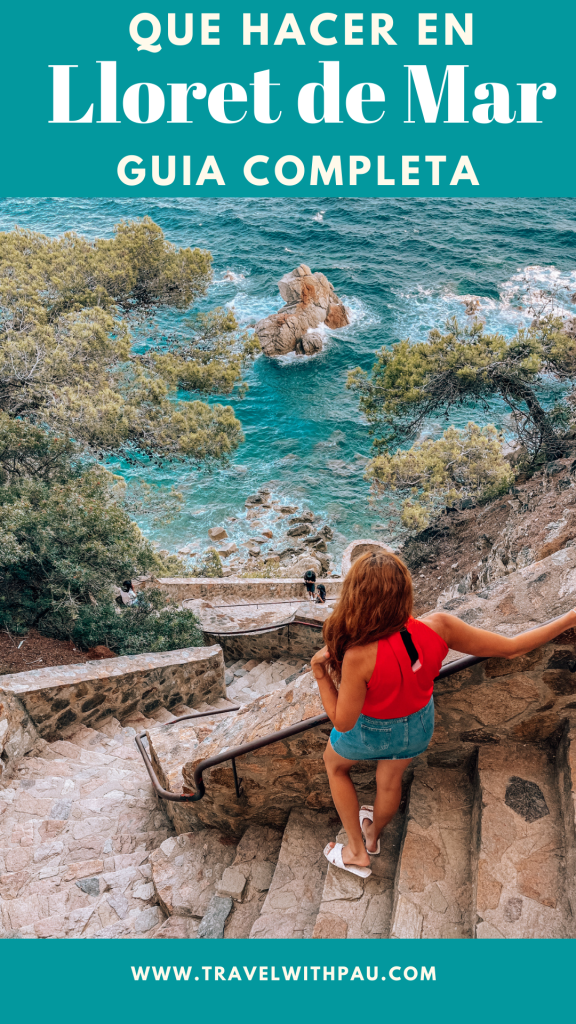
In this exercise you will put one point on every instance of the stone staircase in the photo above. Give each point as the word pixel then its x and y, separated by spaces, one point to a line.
pixel 482 847
pixel 79 822
pixel 248 679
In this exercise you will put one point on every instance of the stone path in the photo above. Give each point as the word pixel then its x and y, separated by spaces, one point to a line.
pixel 521 871
pixel 77 826
pixel 291 906
pixel 484 845
pixel 434 883
pixel 246 680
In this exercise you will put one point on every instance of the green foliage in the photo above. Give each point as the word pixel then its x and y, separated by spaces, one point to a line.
pixel 459 465
pixel 27 452
pixel 66 360
pixel 65 541
pixel 264 570
pixel 63 544
pixel 465 365
pixel 212 358
pixel 210 564
pixel 152 624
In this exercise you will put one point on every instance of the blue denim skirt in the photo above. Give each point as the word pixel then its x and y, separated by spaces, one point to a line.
pixel 391 739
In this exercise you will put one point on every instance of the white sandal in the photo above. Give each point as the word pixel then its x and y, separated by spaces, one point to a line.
pixel 334 856
pixel 367 814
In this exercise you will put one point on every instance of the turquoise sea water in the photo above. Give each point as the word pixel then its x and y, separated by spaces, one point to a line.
pixel 402 267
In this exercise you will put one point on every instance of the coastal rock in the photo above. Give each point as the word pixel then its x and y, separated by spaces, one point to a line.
pixel 309 344
pixel 299 530
pixel 227 549
pixel 217 533
pixel 357 548
pixel 310 301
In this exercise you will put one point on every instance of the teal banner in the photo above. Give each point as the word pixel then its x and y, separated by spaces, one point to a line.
pixel 174 100
pixel 282 980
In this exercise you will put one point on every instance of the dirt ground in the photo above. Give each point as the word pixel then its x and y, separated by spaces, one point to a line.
pixel 22 654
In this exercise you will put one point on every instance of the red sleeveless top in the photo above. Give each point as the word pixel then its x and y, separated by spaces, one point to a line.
pixel 394 690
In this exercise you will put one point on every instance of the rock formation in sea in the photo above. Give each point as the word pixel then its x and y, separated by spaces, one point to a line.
pixel 310 301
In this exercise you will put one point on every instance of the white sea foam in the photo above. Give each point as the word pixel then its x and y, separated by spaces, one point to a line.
pixel 531 290
pixel 230 277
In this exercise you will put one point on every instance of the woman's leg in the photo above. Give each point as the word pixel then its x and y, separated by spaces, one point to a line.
pixel 346 803
pixel 388 795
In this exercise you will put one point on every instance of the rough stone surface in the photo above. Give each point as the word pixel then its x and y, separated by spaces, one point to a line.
pixel 57 699
pixel 291 906
pixel 526 798
pixel 310 301
pixel 521 861
pixel 18 735
pixel 217 533
pixel 357 548
pixel 187 869
pixel 212 924
pixel 435 869
pixel 256 857
pixel 232 883
pixel 77 825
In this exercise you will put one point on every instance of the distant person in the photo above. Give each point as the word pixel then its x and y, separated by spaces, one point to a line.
pixel 310 581
pixel 321 596
pixel 126 595
pixel 376 676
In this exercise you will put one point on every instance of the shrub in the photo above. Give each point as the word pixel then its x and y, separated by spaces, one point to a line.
pixel 153 624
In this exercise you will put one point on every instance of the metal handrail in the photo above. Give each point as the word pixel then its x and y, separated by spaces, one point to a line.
pixel 245 748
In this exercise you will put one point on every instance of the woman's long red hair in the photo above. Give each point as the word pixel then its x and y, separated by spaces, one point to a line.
pixel 376 601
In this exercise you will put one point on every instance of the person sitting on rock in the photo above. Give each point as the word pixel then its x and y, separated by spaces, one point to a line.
pixel 321 596
pixel 310 581
pixel 385 662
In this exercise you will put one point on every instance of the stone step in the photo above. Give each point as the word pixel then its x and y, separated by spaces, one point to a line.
pixel 361 908
pixel 566 779
pixel 521 889
pixel 265 678
pixel 257 670
pixel 89 739
pixel 434 897
pixel 248 879
pixel 273 676
pixel 291 906
pixel 212 886
pixel 162 715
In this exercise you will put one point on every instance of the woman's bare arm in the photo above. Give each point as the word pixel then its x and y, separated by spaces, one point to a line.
pixel 481 642
pixel 343 706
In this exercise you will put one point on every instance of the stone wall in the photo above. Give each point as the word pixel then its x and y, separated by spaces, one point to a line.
pixel 227 591
pixel 286 774
pixel 72 695
pixel 295 641
pixel 17 733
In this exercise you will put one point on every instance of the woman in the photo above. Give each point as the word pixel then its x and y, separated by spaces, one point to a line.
pixel 385 663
